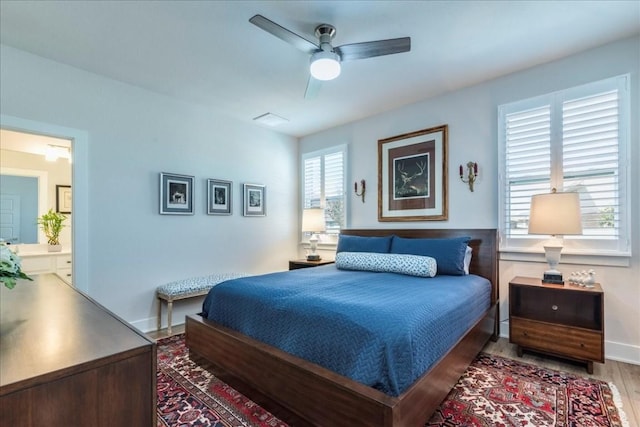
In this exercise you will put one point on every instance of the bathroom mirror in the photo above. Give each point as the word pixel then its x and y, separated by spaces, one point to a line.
pixel 28 180
pixel 23 198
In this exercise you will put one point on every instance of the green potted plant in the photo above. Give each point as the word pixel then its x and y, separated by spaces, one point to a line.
pixel 10 267
pixel 52 225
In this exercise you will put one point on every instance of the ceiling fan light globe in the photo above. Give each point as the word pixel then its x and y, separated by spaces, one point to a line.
pixel 325 65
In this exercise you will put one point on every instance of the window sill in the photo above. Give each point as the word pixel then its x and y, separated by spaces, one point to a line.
pixel 613 259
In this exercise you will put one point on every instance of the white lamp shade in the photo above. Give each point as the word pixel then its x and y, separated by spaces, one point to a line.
pixel 313 220
pixel 325 65
pixel 555 214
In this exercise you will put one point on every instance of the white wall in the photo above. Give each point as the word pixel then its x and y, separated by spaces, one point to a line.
pixel 133 135
pixel 471 114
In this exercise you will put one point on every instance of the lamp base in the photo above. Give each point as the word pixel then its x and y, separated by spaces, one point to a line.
pixel 313 257
pixel 555 278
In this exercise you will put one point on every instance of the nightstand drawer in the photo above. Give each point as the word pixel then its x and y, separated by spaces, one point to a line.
pixel 565 307
pixel 558 339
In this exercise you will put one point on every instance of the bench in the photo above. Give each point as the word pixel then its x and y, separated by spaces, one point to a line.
pixel 188 288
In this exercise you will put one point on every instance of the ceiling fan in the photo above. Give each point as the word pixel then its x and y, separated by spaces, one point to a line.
pixel 326 59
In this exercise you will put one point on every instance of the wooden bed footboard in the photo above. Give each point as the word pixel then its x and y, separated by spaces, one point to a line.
pixel 324 398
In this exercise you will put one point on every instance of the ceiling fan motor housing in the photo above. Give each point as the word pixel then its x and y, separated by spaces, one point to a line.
pixel 325 33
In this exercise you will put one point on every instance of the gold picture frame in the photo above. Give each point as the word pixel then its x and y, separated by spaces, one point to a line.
pixel 63 199
pixel 412 176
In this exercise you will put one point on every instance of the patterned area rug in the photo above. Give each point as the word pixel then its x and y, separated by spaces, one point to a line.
pixel 189 395
pixel 494 391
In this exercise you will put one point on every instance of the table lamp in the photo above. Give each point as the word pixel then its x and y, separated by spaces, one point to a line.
pixel 313 222
pixel 555 214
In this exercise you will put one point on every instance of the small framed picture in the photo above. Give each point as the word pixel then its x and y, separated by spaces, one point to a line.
pixel 63 199
pixel 176 194
pixel 219 197
pixel 255 200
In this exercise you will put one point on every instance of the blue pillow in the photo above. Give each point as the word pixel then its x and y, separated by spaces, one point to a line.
pixel 348 243
pixel 448 253
pixel 411 265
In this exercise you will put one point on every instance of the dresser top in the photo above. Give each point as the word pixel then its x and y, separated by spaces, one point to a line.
pixel 48 329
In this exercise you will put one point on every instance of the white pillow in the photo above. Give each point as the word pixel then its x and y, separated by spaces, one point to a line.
pixel 467 259
pixel 412 265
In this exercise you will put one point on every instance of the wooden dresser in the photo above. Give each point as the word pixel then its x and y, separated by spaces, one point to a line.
pixel 67 361
pixel 562 320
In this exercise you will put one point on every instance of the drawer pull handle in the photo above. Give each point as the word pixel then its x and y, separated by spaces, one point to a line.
pixel 68 262
pixel 554 307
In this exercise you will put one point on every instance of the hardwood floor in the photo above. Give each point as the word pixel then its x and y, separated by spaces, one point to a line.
pixel 162 333
pixel 625 376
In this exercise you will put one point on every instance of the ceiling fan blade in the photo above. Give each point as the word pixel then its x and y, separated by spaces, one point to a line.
pixel 284 34
pixel 349 52
pixel 313 87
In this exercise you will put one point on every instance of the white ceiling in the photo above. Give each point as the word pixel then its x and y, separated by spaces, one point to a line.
pixel 29 143
pixel 208 53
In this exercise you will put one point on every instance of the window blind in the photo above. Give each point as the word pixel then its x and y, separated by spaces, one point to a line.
pixel 575 141
pixel 591 161
pixel 528 163
pixel 312 182
pixel 334 190
pixel 324 185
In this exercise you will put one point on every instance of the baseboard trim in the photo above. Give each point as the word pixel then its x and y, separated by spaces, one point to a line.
pixel 622 352
pixel 147 325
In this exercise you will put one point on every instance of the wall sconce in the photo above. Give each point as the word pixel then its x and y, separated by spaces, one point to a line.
pixel 472 174
pixel 363 185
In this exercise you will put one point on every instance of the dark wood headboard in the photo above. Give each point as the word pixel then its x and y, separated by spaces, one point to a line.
pixel 484 242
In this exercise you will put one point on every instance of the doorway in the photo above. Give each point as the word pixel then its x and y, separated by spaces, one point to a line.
pixel 32 171
pixel 77 141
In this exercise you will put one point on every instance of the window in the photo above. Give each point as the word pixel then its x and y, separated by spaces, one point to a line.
pixel 574 140
pixel 324 185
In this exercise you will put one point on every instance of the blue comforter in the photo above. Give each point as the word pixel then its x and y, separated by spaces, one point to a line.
pixel 383 330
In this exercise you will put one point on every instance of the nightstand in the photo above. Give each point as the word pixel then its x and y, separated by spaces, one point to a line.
pixel 561 320
pixel 303 263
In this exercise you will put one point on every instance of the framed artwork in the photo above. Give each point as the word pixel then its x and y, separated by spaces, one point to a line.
pixel 254 200
pixel 63 199
pixel 176 194
pixel 412 176
pixel 219 197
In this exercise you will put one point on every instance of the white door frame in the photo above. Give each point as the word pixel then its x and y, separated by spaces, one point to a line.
pixel 80 184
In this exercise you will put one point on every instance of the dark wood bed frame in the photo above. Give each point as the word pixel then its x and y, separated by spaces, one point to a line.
pixel 316 396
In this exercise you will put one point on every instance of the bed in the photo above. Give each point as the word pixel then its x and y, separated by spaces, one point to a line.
pixel 310 394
